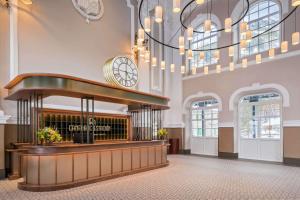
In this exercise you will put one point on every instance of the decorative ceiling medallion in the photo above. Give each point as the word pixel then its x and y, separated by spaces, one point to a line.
pixel 90 9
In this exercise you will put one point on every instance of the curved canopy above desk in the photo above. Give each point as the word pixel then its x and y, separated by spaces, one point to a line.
pixel 25 85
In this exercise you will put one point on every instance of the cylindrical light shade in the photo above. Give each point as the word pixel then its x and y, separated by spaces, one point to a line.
pixel 295 3
pixel 190 54
pixel 218 69
pixel 243 44
pixel 154 61
pixel 176 6
pixel 158 14
pixel 199 2
pixel 181 51
pixel 272 53
pixel 258 58
pixel 243 27
pixel 147 24
pixel 141 34
pixel 284 46
pixel 245 63
pixel 231 66
pixel 206 70
pixel 231 51
pixel 163 65
pixel 249 35
pixel 181 41
pixel 216 55
pixel 27 2
pixel 207 25
pixel 142 52
pixel 202 55
pixel 140 44
pixel 147 56
pixel 172 68
pixel 190 32
pixel 182 69
pixel 295 38
pixel 194 70
pixel 228 24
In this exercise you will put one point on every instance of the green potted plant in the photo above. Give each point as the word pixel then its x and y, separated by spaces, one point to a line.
pixel 162 134
pixel 48 136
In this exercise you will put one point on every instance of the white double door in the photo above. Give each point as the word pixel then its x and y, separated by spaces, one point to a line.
pixel 204 146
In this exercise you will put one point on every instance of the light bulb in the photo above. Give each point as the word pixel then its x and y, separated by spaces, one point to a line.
pixel 172 68
pixel 258 58
pixel 218 69
pixel 190 32
pixel 190 54
pixel 231 66
pixel 284 47
pixel 245 63
pixel 228 24
pixel 295 38
pixel 182 69
pixel 206 70
pixel 176 6
pixel 163 65
pixel 147 24
pixel 154 61
pixel 158 14
pixel 271 53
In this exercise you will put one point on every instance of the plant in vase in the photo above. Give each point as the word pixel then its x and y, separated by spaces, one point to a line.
pixel 162 134
pixel 48 135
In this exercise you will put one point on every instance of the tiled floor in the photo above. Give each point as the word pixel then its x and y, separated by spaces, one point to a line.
pixel 187 177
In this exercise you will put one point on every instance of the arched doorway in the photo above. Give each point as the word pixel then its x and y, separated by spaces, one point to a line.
pixel 260 127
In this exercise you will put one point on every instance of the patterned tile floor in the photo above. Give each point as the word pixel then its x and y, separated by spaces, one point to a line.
pixel 187 177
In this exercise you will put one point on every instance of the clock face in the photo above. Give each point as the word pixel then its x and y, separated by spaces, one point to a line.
pixel 124 71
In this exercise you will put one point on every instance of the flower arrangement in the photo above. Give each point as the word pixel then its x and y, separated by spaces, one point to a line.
pixel 48 135
pixel 162 133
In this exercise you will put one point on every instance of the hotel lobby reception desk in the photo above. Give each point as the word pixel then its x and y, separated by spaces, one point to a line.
pixel 59 167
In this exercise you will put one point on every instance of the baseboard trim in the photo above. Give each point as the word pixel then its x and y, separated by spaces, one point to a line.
pixel 292 161
pixel 228 155
pixel 185 151
pixel 2 174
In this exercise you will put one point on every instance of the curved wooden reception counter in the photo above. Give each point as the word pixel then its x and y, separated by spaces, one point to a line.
pixel 47 168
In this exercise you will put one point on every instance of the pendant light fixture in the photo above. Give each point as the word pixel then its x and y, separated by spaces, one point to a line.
pixel 147 56
pixel 202 55
pixel 284 44
pixel 206 70
pixel 190 32
pixel 295 35
pixel 163 65
pixel 217 55
pixel 245 63
pixel 228 20
pixel 141 35
pixel 158 13
pixel 207 25
pixel 243 44
pixel 172 68
pixel 176 6
pixel 258 58
pixel 181 41
pixel 243 29
pixel 140 44
pixel 218 69
pixel 249 35
pixel 271 53
pixel 181 51
pixel 154 61
pixel 231 66
pixel 231 51
pixel 295 3
pixel 194 70
pixel 182 69
pixel 190 54
pixel 199 2
pixel 142 52
pixel 147 23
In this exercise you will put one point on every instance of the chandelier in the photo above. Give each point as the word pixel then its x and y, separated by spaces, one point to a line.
pixel 228 27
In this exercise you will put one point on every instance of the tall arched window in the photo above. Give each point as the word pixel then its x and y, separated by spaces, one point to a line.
pixel 204 41
pixel 262 15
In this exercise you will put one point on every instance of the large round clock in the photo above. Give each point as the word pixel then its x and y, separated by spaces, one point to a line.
pixel 121 71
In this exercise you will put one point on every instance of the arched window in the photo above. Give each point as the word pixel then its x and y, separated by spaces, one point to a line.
pixel 205 118
pixel 204 41
pixel 262 15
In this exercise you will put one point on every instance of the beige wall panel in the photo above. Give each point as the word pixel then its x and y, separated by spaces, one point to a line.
pixel 136 161
pixel 117 161
pixel 64 168
pixel 151 156
pixel 291 142
pixel 144 157
pixel 32 169
pixel 105 163
pixel 80 166
pixel 226 140
pixel 126 159
pixel 158 155
pixel 164 154
pixel 47 170
pixel 93 164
